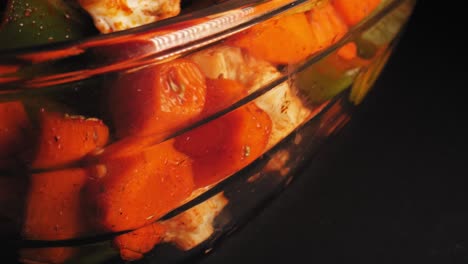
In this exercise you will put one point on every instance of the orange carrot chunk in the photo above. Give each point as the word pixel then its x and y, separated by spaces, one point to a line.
pixel 54 211
pixel 65 139
pixel 53 205
pixel 158 99
pixel 327 26
pixel 354 11
pixel 130 191
pixel 13 125
pixel 221 93
pixel 348 51
pixel 227 144
pixel 288 39
pixel 134 244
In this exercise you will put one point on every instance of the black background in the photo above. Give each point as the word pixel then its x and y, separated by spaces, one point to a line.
pixel 392 186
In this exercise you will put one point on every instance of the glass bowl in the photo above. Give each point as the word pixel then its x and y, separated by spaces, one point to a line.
pixel 153 143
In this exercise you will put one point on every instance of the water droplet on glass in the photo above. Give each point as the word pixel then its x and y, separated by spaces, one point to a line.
pixel 27 12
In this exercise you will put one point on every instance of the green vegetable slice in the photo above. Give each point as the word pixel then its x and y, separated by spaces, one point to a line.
pixel 326 78
pixel 33 22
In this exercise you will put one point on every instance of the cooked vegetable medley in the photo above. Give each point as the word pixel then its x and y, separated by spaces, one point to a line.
pixel 70 170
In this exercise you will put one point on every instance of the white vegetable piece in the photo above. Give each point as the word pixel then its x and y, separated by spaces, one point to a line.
pixel 116 15
pixel 195 225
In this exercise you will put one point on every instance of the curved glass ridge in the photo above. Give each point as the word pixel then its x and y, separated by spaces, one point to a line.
pixel 152 45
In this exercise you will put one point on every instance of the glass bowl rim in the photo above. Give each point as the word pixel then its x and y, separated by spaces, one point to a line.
pixel 12 81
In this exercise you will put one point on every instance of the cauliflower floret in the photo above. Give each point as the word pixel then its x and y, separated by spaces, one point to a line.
pixel 195 225
pixel 232 63
pixel 116 15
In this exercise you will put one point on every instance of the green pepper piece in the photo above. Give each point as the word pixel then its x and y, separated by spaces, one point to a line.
pixel 34 22
pixel 383 32
pixel 368 76
pixel 325 79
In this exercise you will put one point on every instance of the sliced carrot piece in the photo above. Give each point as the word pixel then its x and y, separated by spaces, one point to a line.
pixel 130 191
pixel 134 244
pixel 326 25
pixel 344 59
pixel 227 144
pixel 288 39
pixel 54 205
pixel 14 123
pixel 54 211
pixel 158 99
pixel 354 11
pixel 221 93
pixel 348 51
pixel 65 139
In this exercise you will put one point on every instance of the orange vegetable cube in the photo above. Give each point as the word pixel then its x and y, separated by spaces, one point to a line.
pixel 157 99
pixel 54 205
pixel 288 39
pixel 54 211
pixel 227 144
pixel 326 24
pixel 354 11
pixel 128 192
pixel 134 244
pixel 348 51
pixel 64 139
pixel 221 93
